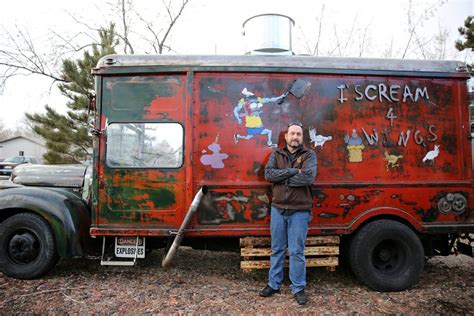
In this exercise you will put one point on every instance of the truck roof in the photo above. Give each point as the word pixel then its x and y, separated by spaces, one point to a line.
pixel 267 63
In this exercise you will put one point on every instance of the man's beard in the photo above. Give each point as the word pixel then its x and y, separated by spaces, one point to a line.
pixel 294 144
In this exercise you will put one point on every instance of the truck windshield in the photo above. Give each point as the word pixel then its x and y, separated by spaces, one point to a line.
pixel 145 145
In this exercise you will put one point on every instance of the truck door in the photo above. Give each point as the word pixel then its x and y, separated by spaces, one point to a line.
pixel 141 165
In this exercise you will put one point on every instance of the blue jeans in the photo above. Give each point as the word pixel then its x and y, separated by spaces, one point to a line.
pixel 288 230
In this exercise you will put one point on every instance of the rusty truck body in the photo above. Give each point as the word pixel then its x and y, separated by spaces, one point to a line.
pixel 393 141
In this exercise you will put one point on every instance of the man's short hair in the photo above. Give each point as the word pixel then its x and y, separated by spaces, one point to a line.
pixel 295 123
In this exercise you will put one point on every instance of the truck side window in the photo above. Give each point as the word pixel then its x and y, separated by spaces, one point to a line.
pixel 145 145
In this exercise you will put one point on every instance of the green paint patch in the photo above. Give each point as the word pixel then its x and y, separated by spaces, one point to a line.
pixel 163 198
pixel 129 98
pixel 131 199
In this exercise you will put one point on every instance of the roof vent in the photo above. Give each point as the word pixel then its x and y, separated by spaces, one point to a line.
pixel 269 34
pixel 110 61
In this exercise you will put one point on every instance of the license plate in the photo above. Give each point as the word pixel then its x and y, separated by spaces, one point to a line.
pixel 125 247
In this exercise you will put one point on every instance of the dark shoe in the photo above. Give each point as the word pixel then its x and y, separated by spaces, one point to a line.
pixel 267 291
pixel 300 297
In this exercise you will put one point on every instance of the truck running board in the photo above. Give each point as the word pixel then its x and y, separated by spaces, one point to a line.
pixel 106 262
pixel 320 251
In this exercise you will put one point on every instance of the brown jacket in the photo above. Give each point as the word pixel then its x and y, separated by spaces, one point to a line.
pixel 291 189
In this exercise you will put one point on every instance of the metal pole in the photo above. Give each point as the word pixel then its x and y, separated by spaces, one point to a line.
pixel 180 235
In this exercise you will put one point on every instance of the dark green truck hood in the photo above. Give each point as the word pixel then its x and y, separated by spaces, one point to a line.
pixel 73 178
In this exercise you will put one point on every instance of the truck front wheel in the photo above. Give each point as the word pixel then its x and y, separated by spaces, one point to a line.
pixel 27 246
pixel 386 256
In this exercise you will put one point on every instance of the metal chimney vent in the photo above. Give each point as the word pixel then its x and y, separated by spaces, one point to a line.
pixel 268 33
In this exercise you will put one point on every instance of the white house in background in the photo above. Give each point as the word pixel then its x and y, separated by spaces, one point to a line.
pixel 23 146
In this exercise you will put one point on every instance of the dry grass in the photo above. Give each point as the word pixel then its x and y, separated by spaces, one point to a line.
pixel 211 282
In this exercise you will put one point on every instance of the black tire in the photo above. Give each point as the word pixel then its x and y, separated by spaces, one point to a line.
pixel 387 256
pixel 344 247
pixel 27 246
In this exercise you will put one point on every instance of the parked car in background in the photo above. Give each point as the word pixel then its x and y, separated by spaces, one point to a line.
pixel 7 165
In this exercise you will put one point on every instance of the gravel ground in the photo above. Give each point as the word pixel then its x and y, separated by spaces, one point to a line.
pixel 211 282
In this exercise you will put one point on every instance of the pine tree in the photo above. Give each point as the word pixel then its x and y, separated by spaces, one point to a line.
pixel 468 33
pixel 67 136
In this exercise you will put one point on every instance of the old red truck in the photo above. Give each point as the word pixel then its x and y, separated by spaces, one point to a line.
pixel 182 142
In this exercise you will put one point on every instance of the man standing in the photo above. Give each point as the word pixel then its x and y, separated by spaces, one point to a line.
pixel 291 170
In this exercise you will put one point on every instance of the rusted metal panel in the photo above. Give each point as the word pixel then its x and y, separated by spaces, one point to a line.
pixel 387 145
pixel 152 63
pixel 66 176
pixel 133 192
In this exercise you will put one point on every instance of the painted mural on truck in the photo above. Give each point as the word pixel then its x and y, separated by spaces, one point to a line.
pixel 364 130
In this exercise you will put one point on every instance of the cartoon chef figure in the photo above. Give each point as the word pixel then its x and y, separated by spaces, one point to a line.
pixel 250 107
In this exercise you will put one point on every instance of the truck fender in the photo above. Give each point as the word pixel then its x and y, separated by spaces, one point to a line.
pixel 67 214
pixel 384 212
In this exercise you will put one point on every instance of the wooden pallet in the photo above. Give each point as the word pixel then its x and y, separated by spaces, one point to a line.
pixel 320 251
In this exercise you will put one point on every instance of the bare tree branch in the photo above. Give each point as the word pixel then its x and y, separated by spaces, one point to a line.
pixel 413 25
pixel 125 29
pixel 316 45
pixel 33 71
pixel 435 46
pixel 338 43
pixel 93 29
pixel 420 45
pixel 349 37
pixel 388 52
pixel 172 21
pixel 158 43
pixel 364 37
pixel 313 49
pixel 69 43
pixel 21 55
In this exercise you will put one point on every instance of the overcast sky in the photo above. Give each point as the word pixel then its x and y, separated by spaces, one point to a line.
pixel 215 27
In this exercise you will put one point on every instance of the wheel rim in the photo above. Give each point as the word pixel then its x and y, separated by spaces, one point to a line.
pixel 389 257
pixel 23 247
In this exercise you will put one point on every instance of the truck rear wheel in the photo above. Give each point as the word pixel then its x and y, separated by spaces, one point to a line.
pixel 27 246
pixel 387 256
